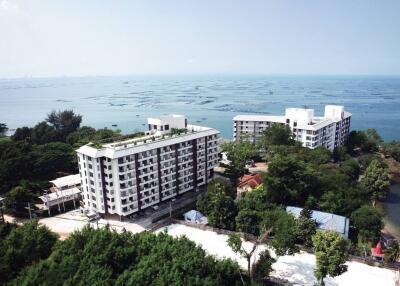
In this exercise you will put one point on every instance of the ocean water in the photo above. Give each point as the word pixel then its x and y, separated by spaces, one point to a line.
pixel 205 100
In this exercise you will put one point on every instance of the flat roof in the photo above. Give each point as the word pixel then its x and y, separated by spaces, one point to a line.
pixel 258 117
pixel 70 180
pixel 142 143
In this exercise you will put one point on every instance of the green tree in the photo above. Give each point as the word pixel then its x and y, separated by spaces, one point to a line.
pixel 392 252
pixel 263 266
pixel 392 149
pixel 17 200
pixel 105 257
pixel 52 158
pixel 23 246
pixel 276 134
pixel 281 228
pixel 340 154
pixel 367 141
pixel 65 122
pixel 368 223
pixel 218 204
pixel 236 244
pixel 22 133
pixel 251 210
pixel 376 181
pixel 351 168
pixel 238 153
pixel 43 133
pixel 290 181
pixel 331 251
pixel 366 159
pixel 306 227
pixel 3 129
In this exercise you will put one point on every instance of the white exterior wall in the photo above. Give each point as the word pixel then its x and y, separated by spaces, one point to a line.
pixel 330 131
pixel 126 195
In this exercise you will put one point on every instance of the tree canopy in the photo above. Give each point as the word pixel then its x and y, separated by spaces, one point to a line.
pixel 64 122
pixel 392 149
pixel 238 153
pixel 104 257
pixel 331 251
pixel 376 180
pixel 218 204
pixel 22 246
pixel 368 223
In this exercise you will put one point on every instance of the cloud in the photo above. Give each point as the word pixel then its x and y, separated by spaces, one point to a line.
pixel 9 6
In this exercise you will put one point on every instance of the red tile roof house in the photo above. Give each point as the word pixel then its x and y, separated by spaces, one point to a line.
pixel 248 183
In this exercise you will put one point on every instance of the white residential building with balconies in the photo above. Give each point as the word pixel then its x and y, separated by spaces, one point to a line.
pixel 331 130
pixel 126 176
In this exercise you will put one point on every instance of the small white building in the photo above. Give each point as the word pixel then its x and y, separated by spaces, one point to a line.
pixel 63 190
pixel 326 221
pixel 65 183
pixel 331 130
pixel 196 217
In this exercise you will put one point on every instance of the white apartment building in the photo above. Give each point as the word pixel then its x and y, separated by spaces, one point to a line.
pixel 330 130
pixel 127 176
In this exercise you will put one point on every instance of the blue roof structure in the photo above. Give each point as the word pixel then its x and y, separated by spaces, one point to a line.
pixel 195 216
pixel 326 221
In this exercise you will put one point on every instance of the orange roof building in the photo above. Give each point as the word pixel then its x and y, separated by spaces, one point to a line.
pixel 247 183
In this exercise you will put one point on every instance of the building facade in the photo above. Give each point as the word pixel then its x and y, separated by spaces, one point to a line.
pixel 124 177
pixel 331 130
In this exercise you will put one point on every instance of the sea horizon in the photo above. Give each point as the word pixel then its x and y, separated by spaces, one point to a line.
pixel 206 99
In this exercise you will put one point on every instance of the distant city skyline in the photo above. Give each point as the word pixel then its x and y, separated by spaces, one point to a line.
pixel 88 38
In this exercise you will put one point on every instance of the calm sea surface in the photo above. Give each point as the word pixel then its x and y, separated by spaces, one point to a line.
pixel 207 100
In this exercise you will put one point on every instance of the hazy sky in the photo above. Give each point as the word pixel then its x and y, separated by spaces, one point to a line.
pixel 73 38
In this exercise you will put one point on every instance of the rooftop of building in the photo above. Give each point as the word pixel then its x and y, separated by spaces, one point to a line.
pixel 141 139
pixel 252 180
pixel 326 221
pixel 314 122
pixel 70 180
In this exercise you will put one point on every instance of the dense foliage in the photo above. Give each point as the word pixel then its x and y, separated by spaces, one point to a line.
pixel 306 227
pixel 21 246
pixel 376 180
pixel 218 204
pixel 238 153
pixel 35 155
pixel 104 257
pixel 392 149
pixel 368 223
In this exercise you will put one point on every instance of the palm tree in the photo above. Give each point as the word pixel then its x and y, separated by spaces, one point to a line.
pixel 392 253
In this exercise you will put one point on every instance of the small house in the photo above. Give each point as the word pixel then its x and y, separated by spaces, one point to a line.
pixel 247 183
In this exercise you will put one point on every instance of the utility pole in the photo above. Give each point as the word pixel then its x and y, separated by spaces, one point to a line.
pixel 29 209
pixel 170 208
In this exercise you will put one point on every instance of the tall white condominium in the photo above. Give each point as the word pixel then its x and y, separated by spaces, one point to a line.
pixel 129 175
pixel 331 130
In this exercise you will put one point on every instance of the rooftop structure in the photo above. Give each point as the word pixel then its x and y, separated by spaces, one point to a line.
pixel 66 182
pixel 128 175
pixel 325 221
pixel 330 130
pixel 195 217
pixel 247 183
